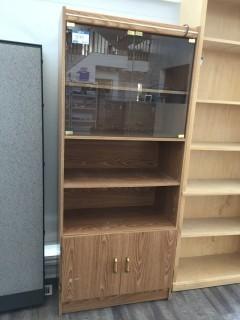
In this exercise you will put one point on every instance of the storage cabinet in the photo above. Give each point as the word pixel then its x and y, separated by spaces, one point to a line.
pixel 91 266
pixel 98 266
pixel 123 120
pixel 147 261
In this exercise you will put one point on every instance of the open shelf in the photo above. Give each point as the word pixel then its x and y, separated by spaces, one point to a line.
pixel 210 227
pixel 216 187
pixel 221 44
pixel 206 271
pixel 117 178
pixel 111 220
pixel 219 77
pixel 222 20
pixel 215 146
pixel 121 88
pixel 121 138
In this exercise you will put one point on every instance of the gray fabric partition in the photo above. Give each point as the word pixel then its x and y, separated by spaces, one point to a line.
pixel 21 172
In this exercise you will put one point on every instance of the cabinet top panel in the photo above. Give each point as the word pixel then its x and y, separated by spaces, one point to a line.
pixel 128 24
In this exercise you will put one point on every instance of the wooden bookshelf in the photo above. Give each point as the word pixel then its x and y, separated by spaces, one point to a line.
pixel 207 271
pixel 122 148
pixel 208 251
pixel 217 146
pixel 212 187
pixel 117 178
pixel 210 227
pixel 221 45
pixel 115 220
pixel 220 102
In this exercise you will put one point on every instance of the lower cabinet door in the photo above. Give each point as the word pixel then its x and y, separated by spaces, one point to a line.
pixel 148 259
pixel 91 267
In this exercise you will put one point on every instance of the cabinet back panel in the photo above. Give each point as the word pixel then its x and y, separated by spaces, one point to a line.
pixel 212 207
pixel 110 154
pixel 214 165
pixel 170 159
pixel 220 76
pixel 104 198
pixel 216 123
pixel 194 247
pixel 223 20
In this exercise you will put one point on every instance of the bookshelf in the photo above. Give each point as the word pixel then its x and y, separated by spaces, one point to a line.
pixel 208 251
pixel 123 119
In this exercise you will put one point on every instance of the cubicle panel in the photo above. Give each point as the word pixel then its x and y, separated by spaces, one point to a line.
pixel 21 176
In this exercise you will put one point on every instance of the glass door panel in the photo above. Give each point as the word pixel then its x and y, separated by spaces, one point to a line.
pixel 125 84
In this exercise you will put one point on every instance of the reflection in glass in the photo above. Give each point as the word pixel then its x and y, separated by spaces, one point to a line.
pixel 124 84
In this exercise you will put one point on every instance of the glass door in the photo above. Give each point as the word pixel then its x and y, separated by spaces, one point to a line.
pixel 126 83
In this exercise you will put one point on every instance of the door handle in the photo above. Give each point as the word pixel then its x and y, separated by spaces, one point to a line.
pixel 127 265
pixel 115 265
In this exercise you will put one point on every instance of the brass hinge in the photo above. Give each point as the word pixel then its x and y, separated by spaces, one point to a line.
pixel 181 136
pixel 68 133
pixel 191 40
pixel 135 33
pixel 70 24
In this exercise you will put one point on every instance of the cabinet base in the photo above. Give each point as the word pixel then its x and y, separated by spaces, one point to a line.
pixel 74 306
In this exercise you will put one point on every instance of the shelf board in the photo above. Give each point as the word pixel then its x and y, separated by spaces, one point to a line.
pixel 220 102
pixel 114 220
pixel 107 87
pixel 116 178
pixel 221 44
pixel 206 271
pixel 215 146
pixel 212 187
pixel 209 227
pixel 122 138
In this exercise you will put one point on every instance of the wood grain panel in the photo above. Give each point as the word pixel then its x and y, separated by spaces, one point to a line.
pixel 89 273
pixel 194 247
pixel 216 123
pixel 151 257
pixel 126 23
pixel 115 220
pixel 117 178
pixel 171 158
pixel 214 165
pixel 207 271
pixel 115 300
pixel 166 200
pixel 220 76
pixel 104 198
pixel 212 207
pixel 110 154
pixel 223 19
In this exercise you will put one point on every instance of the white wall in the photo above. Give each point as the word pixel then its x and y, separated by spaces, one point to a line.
pixel 37 21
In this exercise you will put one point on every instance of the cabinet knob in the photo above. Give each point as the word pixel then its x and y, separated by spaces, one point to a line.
pixel 115 265
pixel 127 265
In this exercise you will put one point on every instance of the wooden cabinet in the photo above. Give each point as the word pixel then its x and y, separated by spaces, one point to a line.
pixel 124 96
pixel 106 265
pixel 88 266
pixel 147 261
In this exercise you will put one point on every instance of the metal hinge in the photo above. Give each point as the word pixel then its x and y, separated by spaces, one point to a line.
pixel 190 40
pixel 135 33
pixel 181 136
pixel 68 132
